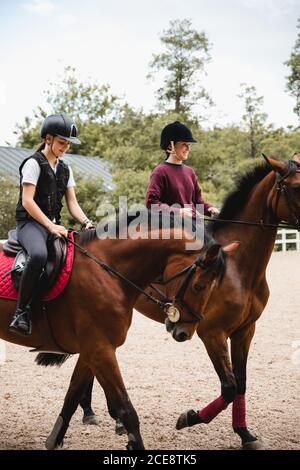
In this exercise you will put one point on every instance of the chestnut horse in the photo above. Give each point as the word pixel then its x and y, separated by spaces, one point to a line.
pixel 93 314
pixel 264 197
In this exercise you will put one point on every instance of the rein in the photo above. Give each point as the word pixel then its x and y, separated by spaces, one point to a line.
pixel 260 224
pixel 166 303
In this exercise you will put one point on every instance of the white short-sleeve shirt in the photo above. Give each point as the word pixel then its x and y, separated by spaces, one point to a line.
pixel 31 172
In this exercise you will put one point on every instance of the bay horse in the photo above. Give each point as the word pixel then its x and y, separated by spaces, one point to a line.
pixel 93 314
pixel 252 212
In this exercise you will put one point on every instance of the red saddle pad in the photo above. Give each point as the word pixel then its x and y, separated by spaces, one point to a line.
pixel 7 290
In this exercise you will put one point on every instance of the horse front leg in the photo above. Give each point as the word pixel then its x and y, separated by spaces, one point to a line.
pixel 217 349
pixel 240 344
pixel 104 365
pixel 80 377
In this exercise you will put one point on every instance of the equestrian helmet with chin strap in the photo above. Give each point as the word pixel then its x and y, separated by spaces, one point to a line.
pixel 60 125
pixel 176 132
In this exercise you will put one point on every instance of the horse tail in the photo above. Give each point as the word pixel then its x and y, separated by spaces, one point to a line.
pixel 49 359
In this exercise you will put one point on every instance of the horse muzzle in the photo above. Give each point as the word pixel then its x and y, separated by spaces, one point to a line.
pixel 180 333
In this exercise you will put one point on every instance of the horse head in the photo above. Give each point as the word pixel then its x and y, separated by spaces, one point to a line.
pixel 284 198
pixel 191 288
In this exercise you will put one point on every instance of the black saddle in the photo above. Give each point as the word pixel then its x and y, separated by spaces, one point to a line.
pixel 57 251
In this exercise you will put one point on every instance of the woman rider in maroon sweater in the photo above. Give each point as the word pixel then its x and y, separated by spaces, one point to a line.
pixel 172 182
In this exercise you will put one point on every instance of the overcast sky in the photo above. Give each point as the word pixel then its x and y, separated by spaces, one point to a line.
pixel 112 41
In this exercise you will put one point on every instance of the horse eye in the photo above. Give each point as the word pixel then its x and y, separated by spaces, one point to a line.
pixel 198 287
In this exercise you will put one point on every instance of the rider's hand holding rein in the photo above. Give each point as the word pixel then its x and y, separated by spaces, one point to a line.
pixel 213 210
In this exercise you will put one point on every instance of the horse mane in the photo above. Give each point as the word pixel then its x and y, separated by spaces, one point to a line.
pixel 236 200
pixel 89 235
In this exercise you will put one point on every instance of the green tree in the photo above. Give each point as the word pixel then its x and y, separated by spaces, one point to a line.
pixel 92 105
pixel 293 80
pixel 183 61
pixel 90 193
pixel 254 119
pixel 132 184
pixel 282 143
pixel 216 158
pixel 8 201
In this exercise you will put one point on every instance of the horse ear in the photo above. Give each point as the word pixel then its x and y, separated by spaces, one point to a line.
pixel 276 165
pixel 296 158
pixel 231 247
pixel 211 253
pixel 266 158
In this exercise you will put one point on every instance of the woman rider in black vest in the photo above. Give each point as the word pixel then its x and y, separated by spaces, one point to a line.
pixel 44 180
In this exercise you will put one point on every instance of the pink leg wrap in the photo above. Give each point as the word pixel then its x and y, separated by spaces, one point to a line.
pixel 239 412
pixel 212 410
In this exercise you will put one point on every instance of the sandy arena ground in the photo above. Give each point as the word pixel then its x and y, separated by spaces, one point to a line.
pixel 164 378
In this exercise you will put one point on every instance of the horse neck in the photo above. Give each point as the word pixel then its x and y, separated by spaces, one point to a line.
pixel 141 260
pixel 257 243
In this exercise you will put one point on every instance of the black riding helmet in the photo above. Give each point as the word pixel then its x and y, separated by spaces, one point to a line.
pixel 62 126
pixel 177 132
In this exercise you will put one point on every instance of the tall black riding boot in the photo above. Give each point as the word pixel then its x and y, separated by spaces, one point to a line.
pixel 21 322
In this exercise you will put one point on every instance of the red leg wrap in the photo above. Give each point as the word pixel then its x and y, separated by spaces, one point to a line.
pixel 239 412
pixel 212 410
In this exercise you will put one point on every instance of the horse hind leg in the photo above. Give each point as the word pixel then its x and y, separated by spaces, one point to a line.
pixel 89 417
pixel 105 367
pixel 120 429
pixel 80 377
pixel 240 344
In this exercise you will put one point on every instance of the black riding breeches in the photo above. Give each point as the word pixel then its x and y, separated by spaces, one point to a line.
pixel 33 237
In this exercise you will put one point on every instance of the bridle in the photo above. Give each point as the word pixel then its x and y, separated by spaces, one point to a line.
pixel 283 189
pixel 168 305
pixel 170 309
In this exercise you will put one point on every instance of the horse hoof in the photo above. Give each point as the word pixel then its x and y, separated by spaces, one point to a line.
pixel 51 442
pixel 91 419
pixel 253 445
pixel 189 418
pixel 120 429
pixel 50 445
pixel 182 421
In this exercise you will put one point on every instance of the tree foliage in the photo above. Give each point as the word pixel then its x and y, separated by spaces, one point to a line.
pixel 293 79
pixel 8 200
pixel 91 105
pixel 254 118
pixel 90 193
pixel 183 60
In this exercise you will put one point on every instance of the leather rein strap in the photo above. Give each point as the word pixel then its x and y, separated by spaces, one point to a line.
pixel 189 270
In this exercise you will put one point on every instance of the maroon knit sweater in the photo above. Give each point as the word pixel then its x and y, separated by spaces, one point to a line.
pixel 174 184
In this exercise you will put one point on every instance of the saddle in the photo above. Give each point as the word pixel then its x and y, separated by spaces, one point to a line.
pixel 57 250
